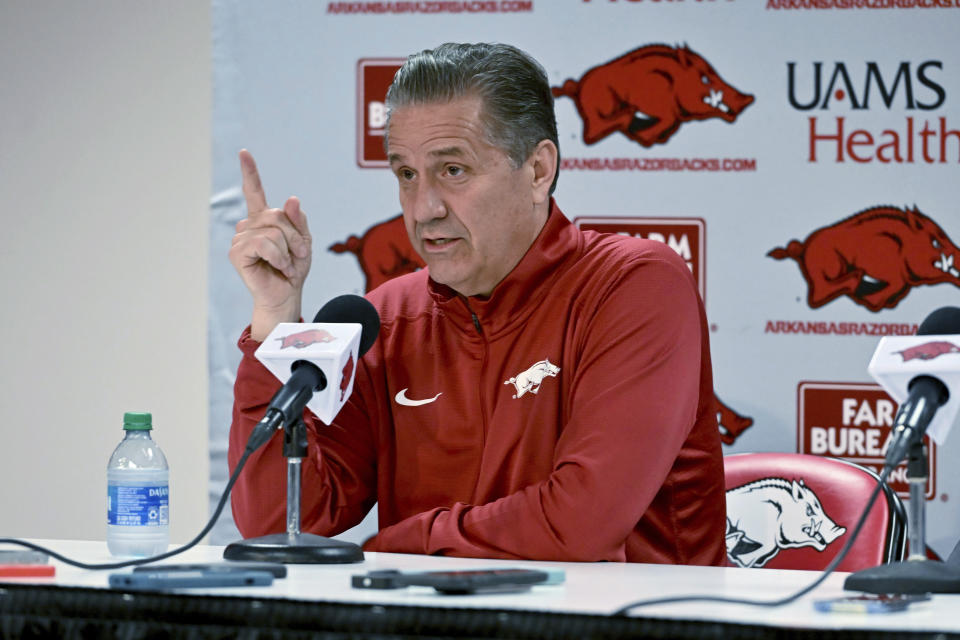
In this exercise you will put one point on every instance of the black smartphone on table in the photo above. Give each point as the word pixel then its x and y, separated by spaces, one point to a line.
pixel 276 569
pixel 458 582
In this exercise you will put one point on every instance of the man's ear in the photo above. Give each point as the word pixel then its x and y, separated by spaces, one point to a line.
pixel 544 162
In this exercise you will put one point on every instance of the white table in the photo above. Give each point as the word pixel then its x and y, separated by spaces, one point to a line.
pixel 591 589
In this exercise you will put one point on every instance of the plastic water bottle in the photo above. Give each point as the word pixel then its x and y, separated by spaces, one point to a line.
pixel 138 492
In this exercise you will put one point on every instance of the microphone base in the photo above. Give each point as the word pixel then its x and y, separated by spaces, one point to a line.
pixel 911 576
pixel 300 548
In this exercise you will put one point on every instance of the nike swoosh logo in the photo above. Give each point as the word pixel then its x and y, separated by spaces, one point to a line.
pixel 402 399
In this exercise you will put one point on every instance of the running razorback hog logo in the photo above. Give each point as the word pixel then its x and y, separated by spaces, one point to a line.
pixel 731 423
pixel 304 339
pixel 874 257
pixel 929 350
pixel 531 379
pixel 383 251
pixel 346 376
pixel 771 514
pixel 649 92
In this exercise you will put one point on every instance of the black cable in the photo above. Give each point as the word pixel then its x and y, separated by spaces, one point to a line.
pixel 163 556
pixel 622 611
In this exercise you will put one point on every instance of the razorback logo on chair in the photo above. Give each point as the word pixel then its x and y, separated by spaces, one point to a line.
pixel 771 514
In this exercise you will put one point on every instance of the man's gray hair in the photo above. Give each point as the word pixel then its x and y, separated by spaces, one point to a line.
pixel 517 111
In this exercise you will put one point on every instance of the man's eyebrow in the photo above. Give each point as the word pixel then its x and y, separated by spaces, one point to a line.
pixel 449 151
pixel 445 152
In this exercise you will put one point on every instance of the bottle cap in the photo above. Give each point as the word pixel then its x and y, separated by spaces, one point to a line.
pixel 137 421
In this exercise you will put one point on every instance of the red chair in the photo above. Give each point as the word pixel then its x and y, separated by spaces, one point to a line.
pixel 796 511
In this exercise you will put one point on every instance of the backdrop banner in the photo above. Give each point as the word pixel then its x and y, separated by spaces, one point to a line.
pixel 802 156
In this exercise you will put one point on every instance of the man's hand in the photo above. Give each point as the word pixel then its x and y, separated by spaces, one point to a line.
pixel 271 252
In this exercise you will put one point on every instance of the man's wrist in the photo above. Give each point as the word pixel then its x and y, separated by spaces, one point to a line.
pixel 264 320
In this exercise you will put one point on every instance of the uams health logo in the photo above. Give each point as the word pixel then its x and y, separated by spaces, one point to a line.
pixel 908 91
pixel 648 93
pixel 374 76
pixel 874 257
pixel 686 236
pixel 853 421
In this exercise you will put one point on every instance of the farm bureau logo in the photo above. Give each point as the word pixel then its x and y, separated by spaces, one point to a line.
pixel 688 237
pixel 873 257
pixel 648 93
pixel 374 76
pixel 908 88
pixel 854 421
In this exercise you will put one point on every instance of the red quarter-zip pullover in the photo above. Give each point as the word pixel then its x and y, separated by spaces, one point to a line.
pixel 569 416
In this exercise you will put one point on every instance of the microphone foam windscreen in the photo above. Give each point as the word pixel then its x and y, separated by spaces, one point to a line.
pixel 944 321
pixel 350 308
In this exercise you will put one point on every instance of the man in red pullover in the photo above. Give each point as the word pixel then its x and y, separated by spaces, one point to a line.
pixel 536 392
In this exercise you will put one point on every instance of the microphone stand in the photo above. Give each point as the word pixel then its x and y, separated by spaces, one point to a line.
pixel 294 547
pixel 917 574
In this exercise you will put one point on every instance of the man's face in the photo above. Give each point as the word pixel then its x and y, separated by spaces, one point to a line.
pixel 468 212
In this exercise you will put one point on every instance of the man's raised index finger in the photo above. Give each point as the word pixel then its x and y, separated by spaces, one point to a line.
pixel 252 188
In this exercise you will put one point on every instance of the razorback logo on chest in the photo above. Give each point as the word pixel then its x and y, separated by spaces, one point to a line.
pixel 529 381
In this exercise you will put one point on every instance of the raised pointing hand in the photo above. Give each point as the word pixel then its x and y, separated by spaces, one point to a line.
pixel 271 252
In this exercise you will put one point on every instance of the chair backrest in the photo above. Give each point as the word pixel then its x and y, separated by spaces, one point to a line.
pixel 796 511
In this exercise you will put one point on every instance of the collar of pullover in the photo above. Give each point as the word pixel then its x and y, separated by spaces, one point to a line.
pixel 517 295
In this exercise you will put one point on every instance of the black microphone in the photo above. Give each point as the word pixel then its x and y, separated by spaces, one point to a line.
pixel 927 392
pixel 307 378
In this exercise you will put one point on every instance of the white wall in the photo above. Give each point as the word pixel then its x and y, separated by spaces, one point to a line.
pixel 104 189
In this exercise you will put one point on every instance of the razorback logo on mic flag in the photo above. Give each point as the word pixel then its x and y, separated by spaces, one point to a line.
pixel 335 357
pixel 929 350
pixel 873 257
pixel 895 374
pixel 346 378
pixel 647 93
pixel 303 339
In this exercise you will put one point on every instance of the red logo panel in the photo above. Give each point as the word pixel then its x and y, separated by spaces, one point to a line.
pixel 853 421
pixel 374 76
pixel 686 236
